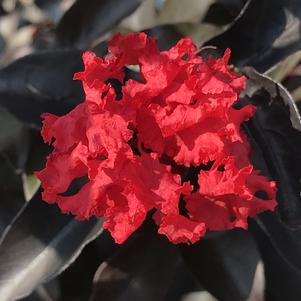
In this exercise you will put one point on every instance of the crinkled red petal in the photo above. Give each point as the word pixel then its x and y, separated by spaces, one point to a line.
pixel 140 147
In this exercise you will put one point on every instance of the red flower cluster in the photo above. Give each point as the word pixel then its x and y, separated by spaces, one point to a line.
pixel 170 137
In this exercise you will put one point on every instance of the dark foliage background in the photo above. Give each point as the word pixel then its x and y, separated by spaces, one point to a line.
pixel 47 256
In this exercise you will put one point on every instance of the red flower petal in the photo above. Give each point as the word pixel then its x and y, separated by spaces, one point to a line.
pixel 62 168
pixel 180 229
pixel 55 127
pixel 137 145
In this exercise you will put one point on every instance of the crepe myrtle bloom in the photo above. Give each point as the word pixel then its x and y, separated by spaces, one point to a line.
pixel 169 137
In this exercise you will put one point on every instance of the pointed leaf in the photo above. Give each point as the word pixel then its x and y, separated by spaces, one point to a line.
pixel 39 245
pixel 41 82
pixel 264 33
pixel 280 249
pixel 275 134
pixel 224 264
pixel 86 21
pixel 82 271
pixel 142 270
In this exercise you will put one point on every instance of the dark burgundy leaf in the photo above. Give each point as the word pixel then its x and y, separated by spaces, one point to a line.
pixel 41 82
pixel 81 272
pixel 39 245
pixel 276 138
pixel 15 141
pixel 265 33
pixel 11 193
pixel 222 12
pixel 280 249
pixel 285 241
pixel 224 264
pixel 86 21
pixel 167 35
pixel 183 283
pixel 143 269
